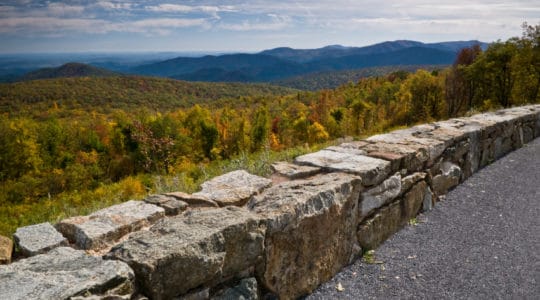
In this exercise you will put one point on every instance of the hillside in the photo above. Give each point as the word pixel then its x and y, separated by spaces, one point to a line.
pixel 72 69
pixel 333 79
pixel 281 63
pixel 125 92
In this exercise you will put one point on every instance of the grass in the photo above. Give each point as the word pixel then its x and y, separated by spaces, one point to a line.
pixel 369 258
pixel 413 222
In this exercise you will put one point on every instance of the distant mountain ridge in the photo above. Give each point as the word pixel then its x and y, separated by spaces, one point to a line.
pixel 304 55
pixel 72 69
pixel 278 64
pixel 281 63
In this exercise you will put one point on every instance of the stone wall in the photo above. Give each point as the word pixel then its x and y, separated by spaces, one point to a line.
pixel 248 237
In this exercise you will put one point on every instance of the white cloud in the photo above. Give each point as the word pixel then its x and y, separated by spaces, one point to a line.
pixel 165 23
pixel 171 8
pixel 108 5
pixel 61 9
pixel 211 10
pixel 275 22
pixel 62 26
pixel 41 25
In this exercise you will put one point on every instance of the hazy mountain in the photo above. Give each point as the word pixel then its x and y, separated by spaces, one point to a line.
pixel 281 63
pixel 405 56
pixel 228 62
pixel 68 70
pixel 305 55
pixel 332 79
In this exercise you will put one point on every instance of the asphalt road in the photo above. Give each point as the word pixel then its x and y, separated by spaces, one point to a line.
pixel 481 242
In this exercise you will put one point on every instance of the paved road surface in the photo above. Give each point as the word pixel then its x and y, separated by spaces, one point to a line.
pixel 482 242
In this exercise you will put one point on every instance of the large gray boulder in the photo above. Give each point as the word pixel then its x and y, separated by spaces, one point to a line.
pixel 310 235
pixel 197 249
pixel 233 188
pixel 104 227
pixel 63 273
pixel 37 239
pixel 371 170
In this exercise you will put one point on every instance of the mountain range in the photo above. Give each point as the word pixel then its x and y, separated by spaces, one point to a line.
pixel 279 64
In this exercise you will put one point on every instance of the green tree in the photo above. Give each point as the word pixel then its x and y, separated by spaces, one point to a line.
pixel 459 87
pixel 20 150
pixel 424 93
pixel 260 128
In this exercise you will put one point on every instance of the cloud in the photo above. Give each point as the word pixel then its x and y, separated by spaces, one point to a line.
pixel 161 25
pixel 107 5
pixel 61 9
pixel 62 26
pixel 275 22
pixel 211 10
pixel 171 8
pixel 45 25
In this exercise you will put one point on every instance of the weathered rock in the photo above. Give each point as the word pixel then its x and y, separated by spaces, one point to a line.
pixel 429 200
pixel 63 273
pixel 408 182
pixel 348 148
pixel 537 128
pixel 474 129
pixel 171 205
pixel 104 227
pixel 310 231
pixel 527 134
pixel 380 195
pixel 442 132
pixel 292 171
pixel 375 230
pixel 200 294
pixel 193 200
pixel 37 239
pixel 410 139
pixel 371 170
pixel 413 200
pixel 449 178
pixel 233 188
pixel 196 249
pixel 247 289
pixel 6 250
pixel 400 156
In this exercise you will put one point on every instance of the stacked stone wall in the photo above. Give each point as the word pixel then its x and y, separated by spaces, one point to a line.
pixel 244 236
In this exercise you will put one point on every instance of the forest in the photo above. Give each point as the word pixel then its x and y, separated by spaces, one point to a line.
pixel 73 145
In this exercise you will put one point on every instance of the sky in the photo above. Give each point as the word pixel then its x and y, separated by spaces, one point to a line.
pixel 249 26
